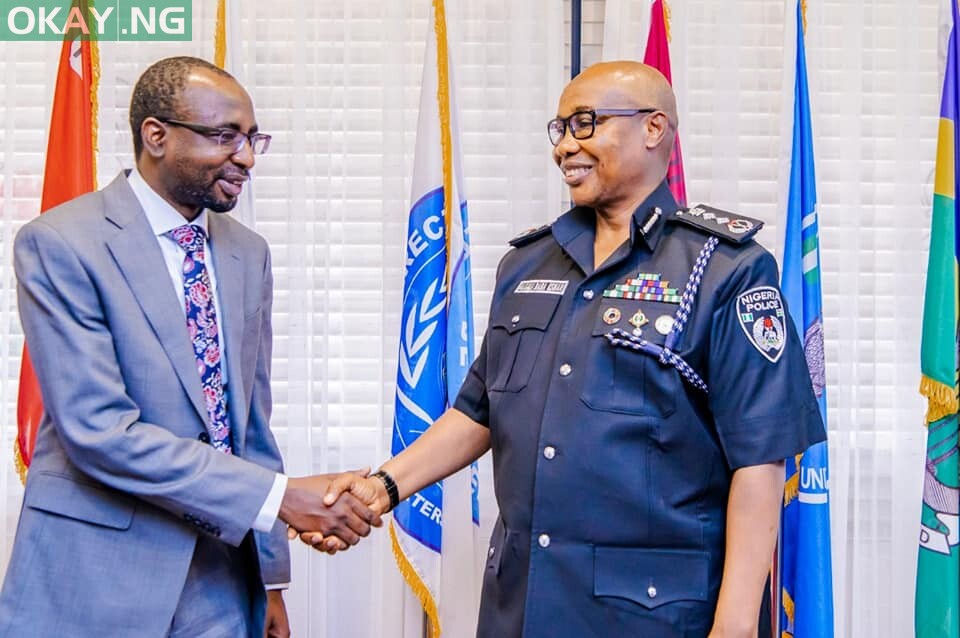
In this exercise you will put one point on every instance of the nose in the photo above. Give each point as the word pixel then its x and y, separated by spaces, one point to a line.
pixel 568 145
pixel 244 154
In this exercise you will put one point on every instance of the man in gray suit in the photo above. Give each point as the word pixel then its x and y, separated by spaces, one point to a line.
pixel 155 497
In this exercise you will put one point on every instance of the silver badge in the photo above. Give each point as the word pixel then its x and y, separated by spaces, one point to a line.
pixel 664 324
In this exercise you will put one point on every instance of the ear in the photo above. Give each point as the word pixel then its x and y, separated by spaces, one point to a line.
pixel 153 133
pixel 657 126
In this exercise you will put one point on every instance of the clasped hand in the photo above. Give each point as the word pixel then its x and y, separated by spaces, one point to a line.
pixel 331 512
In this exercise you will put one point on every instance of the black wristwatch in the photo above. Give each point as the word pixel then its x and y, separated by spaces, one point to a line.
pixel 391 486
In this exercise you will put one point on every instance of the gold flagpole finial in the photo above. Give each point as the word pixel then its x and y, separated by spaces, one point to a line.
pixel 220 37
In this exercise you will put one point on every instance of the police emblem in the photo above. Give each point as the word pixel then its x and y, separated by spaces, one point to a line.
pixel 760 311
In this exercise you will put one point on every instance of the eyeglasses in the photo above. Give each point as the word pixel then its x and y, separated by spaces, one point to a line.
pixel 583 123
pixel 227 137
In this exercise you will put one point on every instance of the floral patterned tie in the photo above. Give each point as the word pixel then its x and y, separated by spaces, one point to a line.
pixel 203 329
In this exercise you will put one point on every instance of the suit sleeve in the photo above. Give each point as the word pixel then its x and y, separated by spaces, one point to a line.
pixel 273 547
pixel 96 421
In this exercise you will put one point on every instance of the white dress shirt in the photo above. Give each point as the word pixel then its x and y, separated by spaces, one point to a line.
pixel 163 218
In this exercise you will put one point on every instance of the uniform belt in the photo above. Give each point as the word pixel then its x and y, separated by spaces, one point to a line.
pixel 665 353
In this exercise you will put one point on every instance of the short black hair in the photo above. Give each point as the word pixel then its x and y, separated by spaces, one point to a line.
pixel 157 92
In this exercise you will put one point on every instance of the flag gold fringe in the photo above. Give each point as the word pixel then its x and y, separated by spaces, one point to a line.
pixel 803 14
pixel 788 608
pixel 419 588
pixel 94 105
pixel 446 136
pixel 791 489
pixel 18 462
pixel 942 400
pixel 666 21
pixel 220 36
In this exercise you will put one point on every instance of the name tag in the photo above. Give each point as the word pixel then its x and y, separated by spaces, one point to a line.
pixel 542 287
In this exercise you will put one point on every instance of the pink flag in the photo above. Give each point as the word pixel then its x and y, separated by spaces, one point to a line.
pixel 657 55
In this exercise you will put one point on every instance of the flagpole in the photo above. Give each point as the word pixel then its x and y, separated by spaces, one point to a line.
pixel 576 18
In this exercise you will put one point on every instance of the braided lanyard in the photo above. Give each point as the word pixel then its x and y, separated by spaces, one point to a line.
pixel 665 353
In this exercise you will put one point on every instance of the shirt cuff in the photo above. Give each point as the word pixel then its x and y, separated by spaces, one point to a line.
pixel 277 586
pixel 271 507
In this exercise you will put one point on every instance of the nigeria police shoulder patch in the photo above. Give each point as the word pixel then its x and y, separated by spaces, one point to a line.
pixel 760 312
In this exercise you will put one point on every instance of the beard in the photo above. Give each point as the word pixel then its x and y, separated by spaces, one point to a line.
pixel 199 189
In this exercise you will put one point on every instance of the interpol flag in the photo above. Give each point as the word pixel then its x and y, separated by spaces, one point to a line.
pixel 68 172
pixel 657 55
pixel 938 564
pixel 434 532
pixel 806 591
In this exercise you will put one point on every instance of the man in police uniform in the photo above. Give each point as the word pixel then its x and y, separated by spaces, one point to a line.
pixel 640 383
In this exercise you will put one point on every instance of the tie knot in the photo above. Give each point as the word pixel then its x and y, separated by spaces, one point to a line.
pixel 190 237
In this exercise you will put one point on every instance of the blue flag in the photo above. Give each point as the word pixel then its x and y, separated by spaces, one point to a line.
pixel 806 592
pixel 434 532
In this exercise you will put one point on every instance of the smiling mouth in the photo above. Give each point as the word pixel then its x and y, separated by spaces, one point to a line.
pixel 573 175
pixel 231 186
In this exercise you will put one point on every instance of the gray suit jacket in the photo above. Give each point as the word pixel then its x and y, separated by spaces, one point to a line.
pixel 120 487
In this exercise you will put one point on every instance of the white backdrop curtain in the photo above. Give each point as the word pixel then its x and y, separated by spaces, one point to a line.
pixel 337 83
pixel 874 80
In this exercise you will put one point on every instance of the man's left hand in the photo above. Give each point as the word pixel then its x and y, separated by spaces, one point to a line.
pixel 277 624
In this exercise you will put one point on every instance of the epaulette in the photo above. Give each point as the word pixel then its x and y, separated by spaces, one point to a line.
pixel 734 228
pixel 530 235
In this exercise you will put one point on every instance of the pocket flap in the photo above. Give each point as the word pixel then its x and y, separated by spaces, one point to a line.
pixel 522 311
pixel 650 577
pixel 64 496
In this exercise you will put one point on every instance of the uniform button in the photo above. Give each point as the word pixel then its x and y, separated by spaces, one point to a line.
pixel 204 437
pixel 565 370
pixel 652 591
pixel 549 452
pixel 515 319
pixel 491 552
pixel 544 541
pixel 588 294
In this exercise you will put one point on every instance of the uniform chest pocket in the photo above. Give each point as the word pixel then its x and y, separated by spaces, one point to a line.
pixel 517 327
pixel 626 380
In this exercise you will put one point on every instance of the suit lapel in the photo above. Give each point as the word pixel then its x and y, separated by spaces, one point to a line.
pixel 136 251
pixel 228 266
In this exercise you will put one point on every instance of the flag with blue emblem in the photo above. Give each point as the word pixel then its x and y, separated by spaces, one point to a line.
pixel 806 590
pixel 434 532
pixel 938 564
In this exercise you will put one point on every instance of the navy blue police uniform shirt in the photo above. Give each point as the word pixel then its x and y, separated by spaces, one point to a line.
pixel 612 469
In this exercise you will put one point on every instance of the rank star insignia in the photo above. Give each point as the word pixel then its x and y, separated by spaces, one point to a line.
pixel 611 316
pixel 760 312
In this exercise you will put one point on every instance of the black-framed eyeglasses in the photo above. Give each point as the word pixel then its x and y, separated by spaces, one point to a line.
pixel 228 138
pixel 583 123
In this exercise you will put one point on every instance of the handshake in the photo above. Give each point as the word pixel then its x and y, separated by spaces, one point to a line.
pixel 331 512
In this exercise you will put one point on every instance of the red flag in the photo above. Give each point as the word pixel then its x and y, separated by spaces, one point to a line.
pixel 657 55
pixel 68 173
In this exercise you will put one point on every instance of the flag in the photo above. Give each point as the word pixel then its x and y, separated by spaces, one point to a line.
pixel 806 590
pixel 434 532
pixel 938 564
pixel 657 55
pixel 69 172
